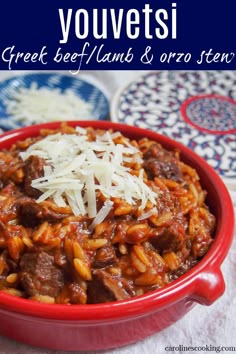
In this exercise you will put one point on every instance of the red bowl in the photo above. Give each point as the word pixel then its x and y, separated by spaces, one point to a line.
pixel 109 325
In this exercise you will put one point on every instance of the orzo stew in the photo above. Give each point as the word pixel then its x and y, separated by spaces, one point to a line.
pixel 90 216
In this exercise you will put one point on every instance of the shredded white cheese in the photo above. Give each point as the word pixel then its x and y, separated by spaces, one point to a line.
pixel 78 168
pixel 41 104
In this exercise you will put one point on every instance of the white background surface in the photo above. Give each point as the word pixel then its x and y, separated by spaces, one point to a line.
pixel 213 326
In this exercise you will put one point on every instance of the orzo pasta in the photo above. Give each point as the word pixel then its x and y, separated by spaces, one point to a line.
pixel 90 216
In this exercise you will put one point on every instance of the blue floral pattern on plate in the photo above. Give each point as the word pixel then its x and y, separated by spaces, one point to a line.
pixel 154 101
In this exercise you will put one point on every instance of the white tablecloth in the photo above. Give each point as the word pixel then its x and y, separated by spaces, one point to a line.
pixel 213 326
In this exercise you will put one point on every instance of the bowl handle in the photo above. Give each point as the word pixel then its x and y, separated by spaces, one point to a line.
pixel 208 287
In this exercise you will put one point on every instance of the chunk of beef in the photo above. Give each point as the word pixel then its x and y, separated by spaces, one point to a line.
pixel 39 275
pixel 183 268
pixel 8 190
pixel 77 295
pixel 170 238
pixel 201 245
pixel 31 213
pixel 33 169
pixel 105 257
pixel 105 288
pixel 159 162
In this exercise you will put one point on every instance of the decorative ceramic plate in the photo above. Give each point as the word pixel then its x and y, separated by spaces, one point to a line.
pixel 85 91
pixel 196 108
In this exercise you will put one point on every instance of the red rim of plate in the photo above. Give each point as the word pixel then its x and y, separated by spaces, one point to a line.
pixel 183 110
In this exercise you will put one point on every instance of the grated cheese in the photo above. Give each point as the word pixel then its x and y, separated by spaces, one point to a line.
pixel 41 104
pixel 78 168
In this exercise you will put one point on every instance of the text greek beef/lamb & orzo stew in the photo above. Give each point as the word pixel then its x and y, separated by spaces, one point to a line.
pixel 90 216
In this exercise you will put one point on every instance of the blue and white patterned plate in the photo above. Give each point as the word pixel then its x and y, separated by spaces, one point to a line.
pixel 86 91
pixel 196 108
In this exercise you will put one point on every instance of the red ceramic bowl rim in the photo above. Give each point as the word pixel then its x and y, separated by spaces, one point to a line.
pixel 137 306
